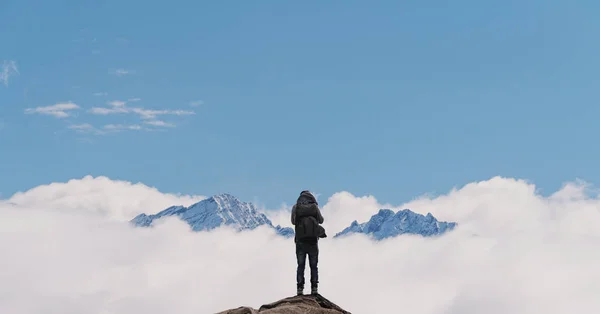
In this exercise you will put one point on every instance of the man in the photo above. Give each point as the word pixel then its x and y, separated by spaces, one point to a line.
pixel 306 217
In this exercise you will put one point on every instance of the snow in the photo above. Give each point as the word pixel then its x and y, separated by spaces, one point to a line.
pixel 216 211
pixel 386 224
pixel 226 210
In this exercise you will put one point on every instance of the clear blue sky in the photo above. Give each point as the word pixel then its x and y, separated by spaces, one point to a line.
pixel 390 98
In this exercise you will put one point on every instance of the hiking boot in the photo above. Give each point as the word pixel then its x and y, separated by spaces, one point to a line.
pixel 314 290
pixel 300 291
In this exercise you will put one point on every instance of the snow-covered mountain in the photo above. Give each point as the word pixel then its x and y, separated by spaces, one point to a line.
pixel 216 211
pixel 226 210
pixel 387 224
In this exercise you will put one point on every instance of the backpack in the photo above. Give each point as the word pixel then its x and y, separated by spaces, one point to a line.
pixel 307 226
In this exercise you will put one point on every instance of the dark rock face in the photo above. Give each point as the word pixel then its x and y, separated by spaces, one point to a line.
pixel 304 304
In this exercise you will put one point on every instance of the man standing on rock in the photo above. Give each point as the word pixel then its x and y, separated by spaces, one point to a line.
pixel 306 217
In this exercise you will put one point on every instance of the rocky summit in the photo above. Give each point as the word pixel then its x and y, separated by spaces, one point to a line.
pixel 304 304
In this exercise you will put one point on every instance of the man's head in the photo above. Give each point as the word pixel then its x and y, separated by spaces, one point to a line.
pixel 306 197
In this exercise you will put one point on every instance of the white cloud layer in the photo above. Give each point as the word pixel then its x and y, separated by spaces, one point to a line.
pixel 116 199
pixel 67 249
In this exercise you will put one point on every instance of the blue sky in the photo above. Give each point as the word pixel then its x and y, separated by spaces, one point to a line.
pixel 265 98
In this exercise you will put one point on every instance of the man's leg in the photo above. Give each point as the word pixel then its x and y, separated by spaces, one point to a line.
pixel 301 259
pixel 313 260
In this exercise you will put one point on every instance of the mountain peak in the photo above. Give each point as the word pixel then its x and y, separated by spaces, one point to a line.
pixel 387 224
pixel 218 210
pixel 316 304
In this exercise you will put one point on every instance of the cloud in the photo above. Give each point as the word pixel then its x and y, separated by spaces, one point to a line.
pixel 9 68
pixel 100 94
pixel 106 129
pixel 114 199
pixel 117 103
pixel 531 254
pixel 159 123
pixel 150 116
pixel 84 126
pixel 122 72
pixel 116 106
pixel 121 127
pixel 196 103
pixel 59 110
pixel 107 111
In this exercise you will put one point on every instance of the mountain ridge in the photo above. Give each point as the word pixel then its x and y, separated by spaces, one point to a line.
pixel 385 224
pixel 226 210
pixel 218 210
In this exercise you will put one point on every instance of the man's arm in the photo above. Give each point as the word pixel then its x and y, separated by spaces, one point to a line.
pixel 319 216
pixel 294 215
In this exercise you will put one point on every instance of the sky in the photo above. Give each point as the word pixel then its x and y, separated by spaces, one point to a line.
pixel 264 99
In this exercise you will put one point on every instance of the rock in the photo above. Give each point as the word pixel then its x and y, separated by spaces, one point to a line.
pixel 304 304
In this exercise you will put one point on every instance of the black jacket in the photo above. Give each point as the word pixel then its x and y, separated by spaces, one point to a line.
pixel 307 206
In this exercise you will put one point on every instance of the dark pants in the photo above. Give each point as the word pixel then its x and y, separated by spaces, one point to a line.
pixel 312 250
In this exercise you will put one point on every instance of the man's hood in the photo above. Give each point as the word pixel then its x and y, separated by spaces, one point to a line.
pixel 306 198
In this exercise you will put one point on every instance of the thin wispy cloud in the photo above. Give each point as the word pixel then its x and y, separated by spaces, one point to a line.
pixel 107 111
pixel 196 103
pixel 150 116
pixel 160 123
pixel 84 126
pixel 60 110
pixel 117 103
pixel 116 106
pixel 122 72
pixel 106 129
pixel 100 94
pixel 9 68
pixel 121 127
